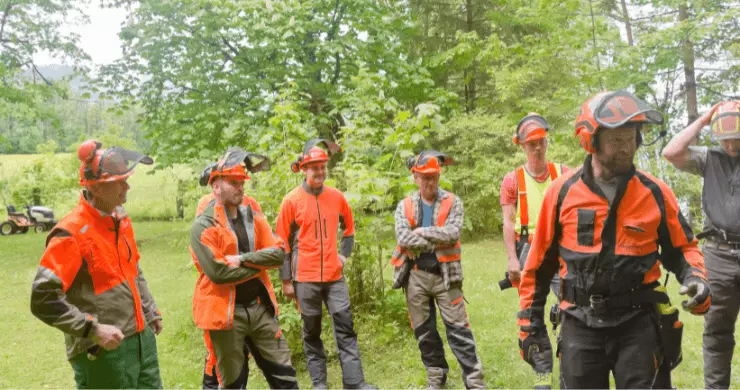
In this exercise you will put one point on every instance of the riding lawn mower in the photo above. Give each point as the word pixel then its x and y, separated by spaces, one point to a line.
pixel 39 218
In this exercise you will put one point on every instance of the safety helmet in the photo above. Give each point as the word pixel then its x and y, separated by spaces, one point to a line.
pixel 726 120
pixel 312 153
pixel 610 110
pixel 429 161
pixel 234 165
pixel 106 165
pixel 531 127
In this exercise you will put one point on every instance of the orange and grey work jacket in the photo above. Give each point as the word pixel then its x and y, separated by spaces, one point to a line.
pixel 212 239
pixel 90 275
pixel 442 239
pixel 607 254
pixel 309 221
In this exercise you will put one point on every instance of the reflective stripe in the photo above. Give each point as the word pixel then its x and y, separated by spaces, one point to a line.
pixel 531 192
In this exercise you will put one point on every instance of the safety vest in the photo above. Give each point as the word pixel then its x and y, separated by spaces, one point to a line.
pixel 445 252
pixel 531 192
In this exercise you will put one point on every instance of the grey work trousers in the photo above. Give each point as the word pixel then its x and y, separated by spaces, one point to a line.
pixel 723 270
pixel 335 295
pixel 424 290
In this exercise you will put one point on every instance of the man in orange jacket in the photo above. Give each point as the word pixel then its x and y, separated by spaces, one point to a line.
pixel 234 303
pixel 608 227
pixel 309 219
pixel 427 265
pixel 89 284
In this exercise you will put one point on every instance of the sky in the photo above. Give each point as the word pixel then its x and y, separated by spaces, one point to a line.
pixel 99 38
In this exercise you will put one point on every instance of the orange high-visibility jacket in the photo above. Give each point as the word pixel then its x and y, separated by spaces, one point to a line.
pixel 309 222
pixel 90 274
pixel 605 251
pixel 211 240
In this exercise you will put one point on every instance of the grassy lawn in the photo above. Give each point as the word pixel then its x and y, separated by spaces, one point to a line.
pixel 33 353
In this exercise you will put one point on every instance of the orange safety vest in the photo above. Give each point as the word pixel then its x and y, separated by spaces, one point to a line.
pixel 445 252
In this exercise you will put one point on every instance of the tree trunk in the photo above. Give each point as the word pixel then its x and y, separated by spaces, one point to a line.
pixel 627 23
pixel 470 72
pixel 687 56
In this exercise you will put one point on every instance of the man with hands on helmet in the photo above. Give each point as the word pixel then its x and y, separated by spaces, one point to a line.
pixel 601 226
pixel 720 168
pixel 89 284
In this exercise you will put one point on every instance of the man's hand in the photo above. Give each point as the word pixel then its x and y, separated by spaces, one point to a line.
pixel 156 326
pixel 234 261
pixel 699 293
pixel 515 273
pixel 108 336
pixel 535 348
pixel 418 231
pixel 288 289
pixel 343 260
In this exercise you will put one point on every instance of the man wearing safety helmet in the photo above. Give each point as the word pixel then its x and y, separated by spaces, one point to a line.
pixel 522 191
pixel 427 265
pixel 234 303
pixel 89 284
pixel 720 168
pixel 602 226
pixel 253 163
pixel 309 218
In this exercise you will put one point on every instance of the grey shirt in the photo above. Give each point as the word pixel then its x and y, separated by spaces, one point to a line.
pixel 697 160
pixel 608 187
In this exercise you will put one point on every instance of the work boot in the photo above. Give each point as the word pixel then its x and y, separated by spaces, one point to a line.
pixel 437 383
pixel 362 386
pixel 544 381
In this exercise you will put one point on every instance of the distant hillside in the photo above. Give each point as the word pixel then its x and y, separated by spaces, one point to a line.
pixel 56 72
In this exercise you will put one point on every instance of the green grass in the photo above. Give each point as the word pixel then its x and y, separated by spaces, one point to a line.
pixel 33 353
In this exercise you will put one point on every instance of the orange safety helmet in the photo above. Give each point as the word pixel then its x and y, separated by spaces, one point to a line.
pixel 234 165
pixel 610 110
pixel 106 165
pixel 531 127
pixel 726 120
pixel 429 161
pixel 313 154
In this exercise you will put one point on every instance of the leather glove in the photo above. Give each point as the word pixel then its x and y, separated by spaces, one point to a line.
pixel 535 348
pixel 699 293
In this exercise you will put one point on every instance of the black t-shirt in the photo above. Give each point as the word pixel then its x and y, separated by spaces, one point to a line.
pixel 247 291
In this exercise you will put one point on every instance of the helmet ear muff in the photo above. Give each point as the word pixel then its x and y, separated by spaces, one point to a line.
pixel 295 166
pixel 411 161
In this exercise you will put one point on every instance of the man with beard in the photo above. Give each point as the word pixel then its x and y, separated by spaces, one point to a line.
pixel 720 168
pixel 608 227
pixel 232 247
pixel 309 219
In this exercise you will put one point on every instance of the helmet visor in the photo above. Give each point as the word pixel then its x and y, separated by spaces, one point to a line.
pixel 118 161
pixel 620 108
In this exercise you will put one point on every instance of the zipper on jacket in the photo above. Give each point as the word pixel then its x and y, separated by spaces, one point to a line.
pixel 321 240
pixel 325 234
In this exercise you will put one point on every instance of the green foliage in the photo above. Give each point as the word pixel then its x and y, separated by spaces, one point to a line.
pixel 47 180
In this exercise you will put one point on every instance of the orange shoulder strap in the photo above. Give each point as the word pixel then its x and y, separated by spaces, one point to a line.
pixel 408 208
pixel 523 206
pixel 445 205
pixel 553 171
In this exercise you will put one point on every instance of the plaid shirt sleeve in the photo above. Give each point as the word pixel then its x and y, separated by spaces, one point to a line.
pixel 450 232
pixel 405 237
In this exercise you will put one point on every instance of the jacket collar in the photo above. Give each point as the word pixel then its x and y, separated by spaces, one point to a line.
pixel 307 188
pixel 95 215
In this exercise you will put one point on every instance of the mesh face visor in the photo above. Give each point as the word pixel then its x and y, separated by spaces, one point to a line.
pixel 118 162
pixel 429 161
pixel 619 108
pixel 236 162
pixel 531 127
pixel 331 147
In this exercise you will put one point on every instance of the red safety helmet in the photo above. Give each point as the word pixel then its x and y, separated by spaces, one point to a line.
pixel 610 110
pixel 531 127
pixel 106 165
pixel 234 165
pixel 429 161
pixel 312 153
pixel 726 120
